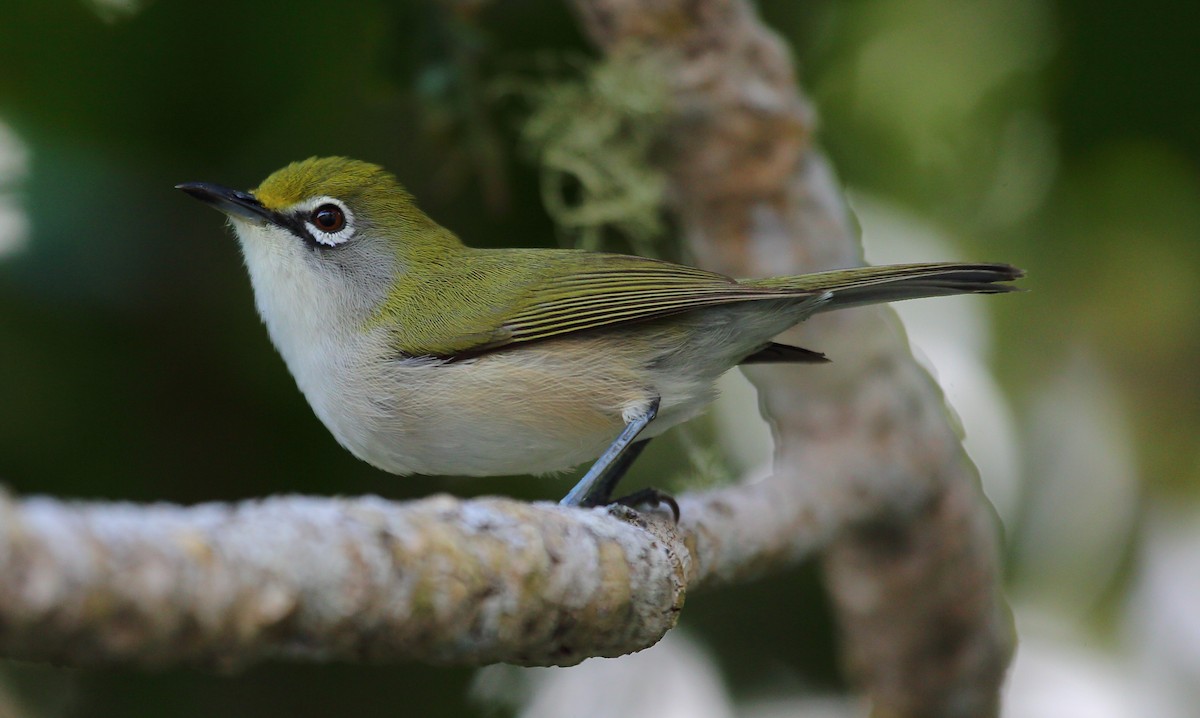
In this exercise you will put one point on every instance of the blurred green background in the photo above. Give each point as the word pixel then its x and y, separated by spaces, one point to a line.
pixel 1059 136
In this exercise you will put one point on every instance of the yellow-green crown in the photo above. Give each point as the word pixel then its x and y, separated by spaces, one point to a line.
pixel 340 177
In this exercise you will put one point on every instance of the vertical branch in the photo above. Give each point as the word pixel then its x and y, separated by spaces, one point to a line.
pixel 914 571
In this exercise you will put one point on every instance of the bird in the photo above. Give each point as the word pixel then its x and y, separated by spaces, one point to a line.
pixel 423 355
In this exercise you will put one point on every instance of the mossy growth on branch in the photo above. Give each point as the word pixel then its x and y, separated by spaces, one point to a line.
pixel 592 136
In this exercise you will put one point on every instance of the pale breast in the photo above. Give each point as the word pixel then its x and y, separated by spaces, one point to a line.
pixel 534 410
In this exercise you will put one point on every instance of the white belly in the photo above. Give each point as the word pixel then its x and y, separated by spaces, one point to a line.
pixel 533 410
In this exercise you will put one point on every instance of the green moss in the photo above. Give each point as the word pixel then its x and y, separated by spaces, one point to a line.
pixel 592 136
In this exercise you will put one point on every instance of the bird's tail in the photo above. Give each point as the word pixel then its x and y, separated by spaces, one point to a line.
pixel 872 285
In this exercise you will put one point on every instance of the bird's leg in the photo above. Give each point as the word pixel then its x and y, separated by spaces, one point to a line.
pixel 596 486
pixel 602 494
pixel 648 496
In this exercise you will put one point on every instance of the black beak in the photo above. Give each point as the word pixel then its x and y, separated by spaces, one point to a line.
pixel 232 202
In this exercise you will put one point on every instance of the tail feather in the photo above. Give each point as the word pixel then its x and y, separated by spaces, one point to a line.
pixel 872 285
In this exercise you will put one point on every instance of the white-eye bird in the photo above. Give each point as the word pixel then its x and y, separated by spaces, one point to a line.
pixel 425 356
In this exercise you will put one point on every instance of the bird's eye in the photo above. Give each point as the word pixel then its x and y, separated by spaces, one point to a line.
pixel 328 218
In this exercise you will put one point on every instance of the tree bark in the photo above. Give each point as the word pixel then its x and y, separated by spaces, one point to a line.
pixel 440 580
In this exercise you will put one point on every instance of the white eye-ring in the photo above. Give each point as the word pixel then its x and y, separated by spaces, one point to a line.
pixel 328 221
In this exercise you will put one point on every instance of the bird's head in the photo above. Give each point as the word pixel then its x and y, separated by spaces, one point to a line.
pixel 329 230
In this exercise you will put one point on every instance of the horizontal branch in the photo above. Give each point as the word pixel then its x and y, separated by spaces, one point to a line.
pixel 439 580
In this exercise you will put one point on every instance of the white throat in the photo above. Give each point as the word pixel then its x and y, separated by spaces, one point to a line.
pixel 311 313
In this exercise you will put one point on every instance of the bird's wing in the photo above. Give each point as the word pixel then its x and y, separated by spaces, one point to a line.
pixel 636 292
pixel 571 292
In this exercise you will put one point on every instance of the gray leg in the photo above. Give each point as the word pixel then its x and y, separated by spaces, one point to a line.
pixel 603 492
pixel 596 486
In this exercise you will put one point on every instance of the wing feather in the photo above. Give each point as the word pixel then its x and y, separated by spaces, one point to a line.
pixel 539 294
pixel 590 300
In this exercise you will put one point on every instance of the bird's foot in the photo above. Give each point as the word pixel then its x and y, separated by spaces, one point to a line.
pixel 651 497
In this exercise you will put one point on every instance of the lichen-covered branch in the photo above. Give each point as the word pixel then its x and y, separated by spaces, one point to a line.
pixel 439 580
pixel 914 572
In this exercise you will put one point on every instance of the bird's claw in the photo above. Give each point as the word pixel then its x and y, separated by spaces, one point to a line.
pixel 650 497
